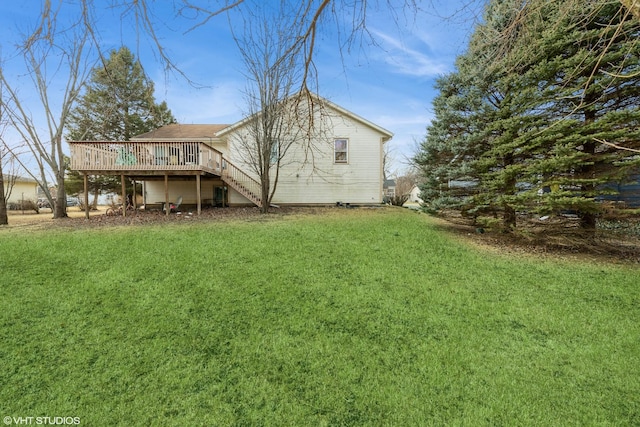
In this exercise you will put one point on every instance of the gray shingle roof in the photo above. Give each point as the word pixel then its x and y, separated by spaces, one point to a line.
pixel 183 131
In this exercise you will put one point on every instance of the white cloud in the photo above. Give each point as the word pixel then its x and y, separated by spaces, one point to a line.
pixel 420 61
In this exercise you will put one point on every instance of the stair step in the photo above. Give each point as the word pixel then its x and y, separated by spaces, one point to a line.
pixel 242 189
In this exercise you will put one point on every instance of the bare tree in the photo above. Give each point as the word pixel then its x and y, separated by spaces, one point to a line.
pixel 10 173
pixel 280 116
pixel 347 18
pixel 387 160
pixel 404 185
pixel 52 52
pixel 4 219
pixel 8 177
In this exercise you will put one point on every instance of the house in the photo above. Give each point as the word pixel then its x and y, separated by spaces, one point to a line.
pixel 626 192
pixel 204 165
pixel 389 190
pixel 402 190
pixel 414 195
pixel 18 189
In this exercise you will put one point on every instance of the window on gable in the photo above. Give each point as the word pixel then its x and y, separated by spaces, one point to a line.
pixel 275 153
pixel 341 150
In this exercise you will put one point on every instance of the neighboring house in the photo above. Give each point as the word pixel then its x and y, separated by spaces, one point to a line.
pixel 393 187
pixel 414 195
pixel 414 201
pixel 389 189
pixel 203 164
pixel 17 189
pixel 627 192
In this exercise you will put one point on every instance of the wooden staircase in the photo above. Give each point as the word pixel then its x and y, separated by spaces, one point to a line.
pixel 244 184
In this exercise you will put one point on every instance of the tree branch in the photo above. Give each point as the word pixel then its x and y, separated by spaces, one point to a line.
pixel 619 147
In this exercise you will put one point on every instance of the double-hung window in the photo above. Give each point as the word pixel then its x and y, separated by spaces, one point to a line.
pixel 341 150
pixel 275 153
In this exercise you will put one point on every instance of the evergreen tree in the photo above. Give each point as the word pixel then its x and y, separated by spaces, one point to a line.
pixel 117 104
pixel 482 160
pixel 449 153
pixel 573 97
pixel 557 83
pixel 501 67
pixel 589 91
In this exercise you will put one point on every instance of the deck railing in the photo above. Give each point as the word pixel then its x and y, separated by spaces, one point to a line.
pixel 144 156
pixel 241 182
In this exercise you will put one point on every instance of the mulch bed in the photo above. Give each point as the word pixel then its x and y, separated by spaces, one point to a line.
pixel 558 237
pixel 159 217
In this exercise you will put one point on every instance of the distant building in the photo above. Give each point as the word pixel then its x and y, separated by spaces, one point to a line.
pixel 388 190
pixel 414 196
pixel 18 189
pixel 627 192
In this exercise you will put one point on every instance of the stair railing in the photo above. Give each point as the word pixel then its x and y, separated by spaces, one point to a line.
pixel 241 182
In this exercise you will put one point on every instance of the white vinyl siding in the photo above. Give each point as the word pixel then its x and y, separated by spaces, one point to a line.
pixel 325 181
pixel 21 190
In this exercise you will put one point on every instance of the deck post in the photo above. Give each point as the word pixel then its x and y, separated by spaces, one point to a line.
pixel 167 208
pixel 124 195
pixel 86 196
pixel 199 194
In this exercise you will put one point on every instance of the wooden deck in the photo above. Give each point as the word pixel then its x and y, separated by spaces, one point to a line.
pixel 152 160
pixel 145 158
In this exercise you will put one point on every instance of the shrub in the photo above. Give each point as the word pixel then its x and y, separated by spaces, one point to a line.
pixel 24 205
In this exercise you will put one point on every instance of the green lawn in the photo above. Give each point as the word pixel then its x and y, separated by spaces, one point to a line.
pixel 356 317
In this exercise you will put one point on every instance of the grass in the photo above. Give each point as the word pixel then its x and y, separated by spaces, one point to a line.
pixel 359 317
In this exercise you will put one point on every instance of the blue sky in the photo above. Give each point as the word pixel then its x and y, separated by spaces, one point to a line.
pixel 390 84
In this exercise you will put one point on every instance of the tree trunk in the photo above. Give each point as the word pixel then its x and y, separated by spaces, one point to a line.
pixel 588 218
pixel 264 189
pixel 94 205
pixel 4 219
pixel 509 214
pixel 588 172
pixel 60 208
pixel 508 219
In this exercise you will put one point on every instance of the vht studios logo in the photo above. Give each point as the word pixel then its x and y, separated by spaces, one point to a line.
pixel 51 421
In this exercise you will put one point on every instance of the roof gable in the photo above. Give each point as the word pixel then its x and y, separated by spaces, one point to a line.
pixel 387 135
pixel 202 131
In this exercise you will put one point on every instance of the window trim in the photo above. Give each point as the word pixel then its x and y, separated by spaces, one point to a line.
pixel 345 151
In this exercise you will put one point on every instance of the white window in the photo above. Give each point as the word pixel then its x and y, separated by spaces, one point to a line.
pixel 341 150
pixel 275 153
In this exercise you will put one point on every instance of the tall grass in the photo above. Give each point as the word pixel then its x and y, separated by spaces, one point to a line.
pixel 359 317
